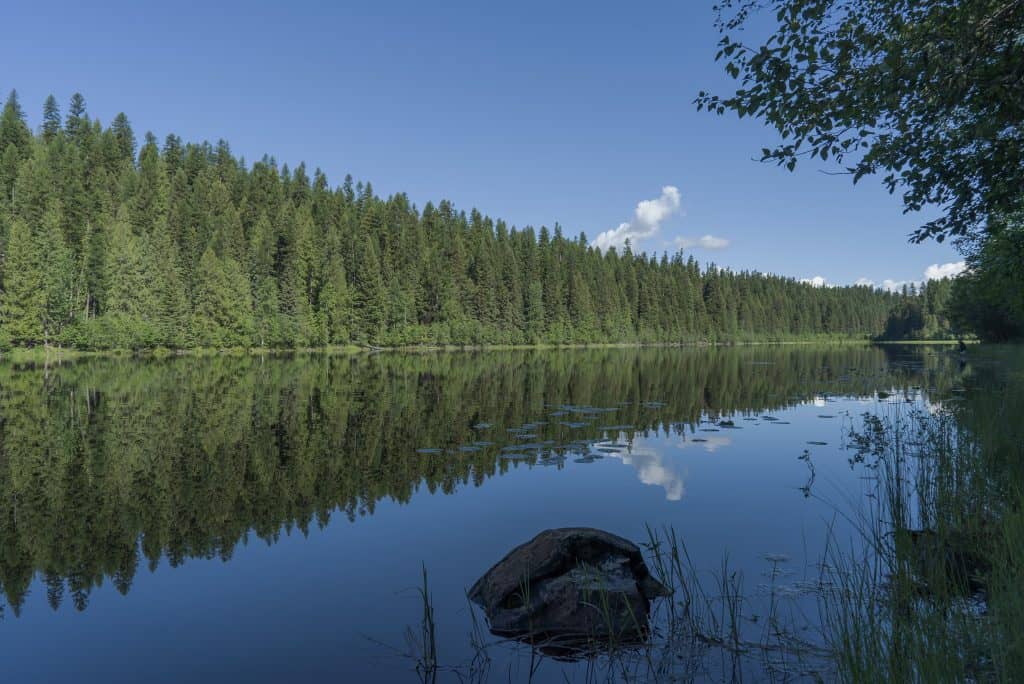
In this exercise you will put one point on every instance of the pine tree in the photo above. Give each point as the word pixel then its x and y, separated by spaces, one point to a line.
pixel 77 120
pixel 51 118
pixel 23 303
pixel 128 301
pixel 124 137
pixel 58 275
pixel 335 301
pixel 368 290
pixel 15 143
pixel 223 306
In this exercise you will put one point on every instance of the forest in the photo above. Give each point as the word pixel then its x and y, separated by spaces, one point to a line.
pixel 110 245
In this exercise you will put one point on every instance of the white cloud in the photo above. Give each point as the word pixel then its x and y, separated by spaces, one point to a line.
pixel 940 271
pixel 933 272
pixel 816 281
pixel 705 242
pixel 895 285
pixel 647 219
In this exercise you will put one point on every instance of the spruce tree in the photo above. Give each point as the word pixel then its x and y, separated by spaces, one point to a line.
pixel 23 300
pixel 51 118
pixel 15 143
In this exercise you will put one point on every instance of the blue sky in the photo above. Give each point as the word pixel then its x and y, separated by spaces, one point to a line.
pixel 535 112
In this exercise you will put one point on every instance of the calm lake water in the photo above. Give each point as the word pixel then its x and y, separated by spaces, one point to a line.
pixel 266 519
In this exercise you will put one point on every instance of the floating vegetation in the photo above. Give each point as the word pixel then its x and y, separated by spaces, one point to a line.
pixel 825 415
pixel 819 443
pixel 429 451
pixel 527 435
pixel 698 439
pixel 575 425
pixel 726 423
pixel 884 395
pixel 513 456
pixel 768 418
pixel 529 445
pixel 776 557
pixel 780 422
pixel 606 450
pixel 710 430
pixel 584 459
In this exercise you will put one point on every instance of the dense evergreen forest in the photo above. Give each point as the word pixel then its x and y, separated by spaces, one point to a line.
pixel 108 245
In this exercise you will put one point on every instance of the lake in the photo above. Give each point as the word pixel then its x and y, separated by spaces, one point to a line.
pixel 268 518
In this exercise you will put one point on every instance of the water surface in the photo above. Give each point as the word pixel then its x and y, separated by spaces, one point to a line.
pixel 266 519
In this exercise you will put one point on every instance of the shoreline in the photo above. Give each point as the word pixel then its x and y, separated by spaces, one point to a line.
pixel 59 354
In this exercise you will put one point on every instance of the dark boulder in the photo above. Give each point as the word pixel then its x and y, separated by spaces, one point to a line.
pixel 570 587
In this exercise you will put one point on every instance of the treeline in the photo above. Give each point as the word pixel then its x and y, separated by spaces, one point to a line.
pixel 115 464
pixel 106 245
pixel 923 313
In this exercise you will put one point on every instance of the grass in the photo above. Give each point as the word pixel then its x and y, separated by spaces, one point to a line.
pixel 934 595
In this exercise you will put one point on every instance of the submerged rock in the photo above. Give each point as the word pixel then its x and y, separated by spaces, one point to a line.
pixel 569 587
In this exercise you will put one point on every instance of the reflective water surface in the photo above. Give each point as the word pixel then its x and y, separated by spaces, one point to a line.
pixel 267 518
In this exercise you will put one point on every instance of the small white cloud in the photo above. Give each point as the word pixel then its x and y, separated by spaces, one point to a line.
pixel 940 271
pixel 647 219
pixel 816 281
pixel 705 242
pixel 891 285
pixel 933 272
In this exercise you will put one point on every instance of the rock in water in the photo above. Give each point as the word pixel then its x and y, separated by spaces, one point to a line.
pixel 568 588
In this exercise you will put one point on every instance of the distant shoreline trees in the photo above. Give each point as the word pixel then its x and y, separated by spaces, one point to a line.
pixel 929 94
pixel 106 244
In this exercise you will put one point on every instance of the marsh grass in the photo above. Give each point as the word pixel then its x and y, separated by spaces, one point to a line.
pixel 933 593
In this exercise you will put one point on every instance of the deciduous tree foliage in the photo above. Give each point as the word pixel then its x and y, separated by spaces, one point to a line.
pixel 989 298
pixel 184 244
pixel 929 93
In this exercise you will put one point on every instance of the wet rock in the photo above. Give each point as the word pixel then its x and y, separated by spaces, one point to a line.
pixel 569 587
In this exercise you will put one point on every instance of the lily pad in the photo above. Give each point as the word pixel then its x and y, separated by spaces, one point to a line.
pixel 512 456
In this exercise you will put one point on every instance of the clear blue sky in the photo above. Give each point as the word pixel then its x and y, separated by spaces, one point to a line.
pixel 534 112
